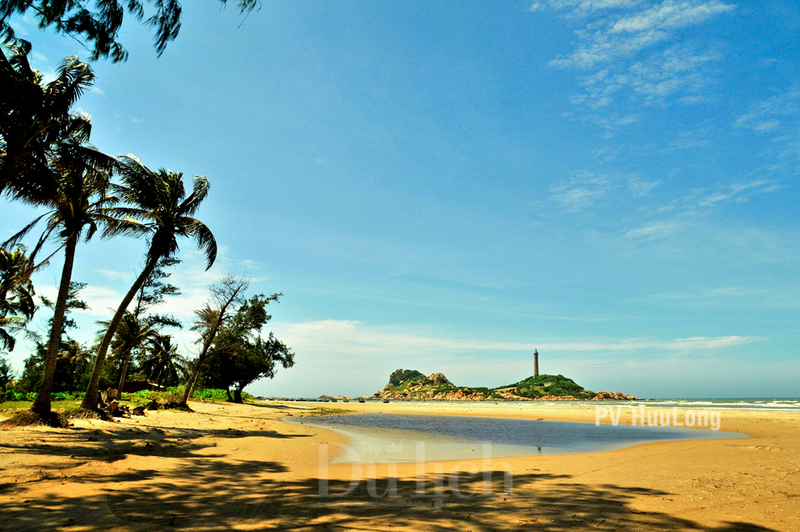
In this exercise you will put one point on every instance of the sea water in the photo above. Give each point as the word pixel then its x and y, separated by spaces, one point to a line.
pixel 380 438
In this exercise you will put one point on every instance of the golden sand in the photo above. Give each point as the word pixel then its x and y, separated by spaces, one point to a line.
pixel 239 467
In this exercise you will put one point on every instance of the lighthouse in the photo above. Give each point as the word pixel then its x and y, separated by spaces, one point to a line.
pixel 535 363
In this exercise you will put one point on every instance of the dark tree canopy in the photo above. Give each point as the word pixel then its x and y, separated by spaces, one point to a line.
pixel 6 373
pixel 73 362
pixel 73 368
pixel 240 355
pixel 37 122
pixel 74 302
pixel 97 22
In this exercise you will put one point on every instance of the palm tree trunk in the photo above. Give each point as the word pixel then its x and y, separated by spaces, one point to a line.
pixel 193 377
pixel 122 374
pixel 230 297
pixel 90 399
pixel 206 346
pixel 41 405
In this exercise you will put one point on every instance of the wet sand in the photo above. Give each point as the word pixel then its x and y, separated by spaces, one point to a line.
pixel 239 467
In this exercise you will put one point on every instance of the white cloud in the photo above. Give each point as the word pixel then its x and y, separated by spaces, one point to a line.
pixel 641 187
pixel 620 47
pixel 366 354
pixel 658 230
pixel 586 189
pixel 737 192
pixel 767 115
pixel 353 338
pixel 114 275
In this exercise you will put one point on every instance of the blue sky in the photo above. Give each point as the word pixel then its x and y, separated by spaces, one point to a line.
pixel 445 187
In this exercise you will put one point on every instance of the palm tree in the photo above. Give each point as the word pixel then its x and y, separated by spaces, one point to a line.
pixel 226 292
pixel 162 363
pixel 161 211
pixel 131 334
pixel 16 294
pixel 78 204
pixel 35 119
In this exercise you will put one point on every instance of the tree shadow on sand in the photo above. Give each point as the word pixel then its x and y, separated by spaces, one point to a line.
pixel 203 494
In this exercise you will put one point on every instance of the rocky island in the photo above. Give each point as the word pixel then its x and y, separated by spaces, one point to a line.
pixel 412 385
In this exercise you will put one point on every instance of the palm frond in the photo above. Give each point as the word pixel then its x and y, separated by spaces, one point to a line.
pixel 205 241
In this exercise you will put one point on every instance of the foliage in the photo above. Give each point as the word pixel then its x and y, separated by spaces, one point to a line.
pixel 240 355
pixel 160 210
pixel 153 292
pixel 12 395
pixel 162 363
pixel 37 120
pixel 16 294
pixel 73 366
pixel 99 22
pixel 131 335
pixel 225 294
pixel 63 173
pixel 533 387
pixel 404 377
pixel 72 303
pixel 73 359
pixel 6 373
pixel 168 394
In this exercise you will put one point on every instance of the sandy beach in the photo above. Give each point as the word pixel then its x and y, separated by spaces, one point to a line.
pixel 239 467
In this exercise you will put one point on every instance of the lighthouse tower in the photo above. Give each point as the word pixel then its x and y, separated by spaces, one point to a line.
pixel 535 363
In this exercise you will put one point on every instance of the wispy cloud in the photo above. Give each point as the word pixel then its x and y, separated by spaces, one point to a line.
pixel 658 230
pixel 738 192
pixel 114 275
pixel 768 115
pixel 585 190
pixel 707 295
pixel 354 338
pixel 624 46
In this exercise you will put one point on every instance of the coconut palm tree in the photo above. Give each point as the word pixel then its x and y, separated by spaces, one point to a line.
pixel 16 294
pixel 161 211
pixel 131 334
pixel 162 363
pixel 35 119
pixel 78 205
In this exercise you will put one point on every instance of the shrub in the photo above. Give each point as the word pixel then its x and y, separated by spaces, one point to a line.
pixel 11 395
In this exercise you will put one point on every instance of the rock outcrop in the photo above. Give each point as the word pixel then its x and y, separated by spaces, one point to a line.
pixel 412 385
pixel 609 396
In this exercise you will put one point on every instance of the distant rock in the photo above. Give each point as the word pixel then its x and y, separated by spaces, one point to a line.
pixel 413 385
pixel 609 396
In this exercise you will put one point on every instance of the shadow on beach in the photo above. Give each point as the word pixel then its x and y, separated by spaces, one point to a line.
pixel 212 492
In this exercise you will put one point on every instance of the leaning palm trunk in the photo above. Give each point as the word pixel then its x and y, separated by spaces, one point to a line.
pixel 90 400
pixel 41 405
pixel 187 393
pixel 125 358
pixel 235 288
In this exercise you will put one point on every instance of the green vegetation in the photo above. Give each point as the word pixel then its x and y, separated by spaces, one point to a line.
pixel 405 377
pixel 98 23
pixel 326 411
pixel 240 355
pixel 412 384
pixel 17 306
pixel 47 162
pixel 175 395
pixel 558 385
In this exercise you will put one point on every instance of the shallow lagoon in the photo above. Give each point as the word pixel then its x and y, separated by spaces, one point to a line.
pixel 380 438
